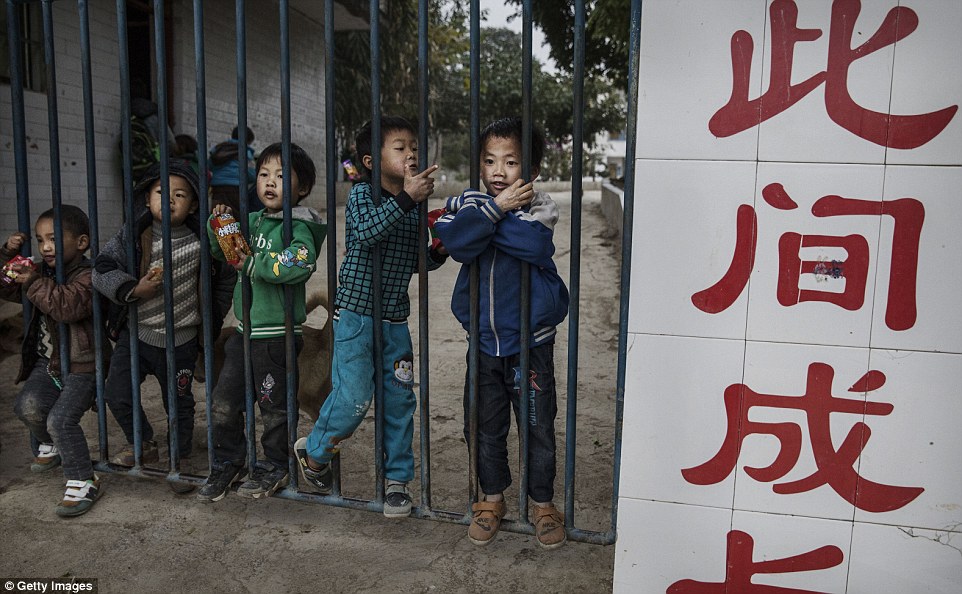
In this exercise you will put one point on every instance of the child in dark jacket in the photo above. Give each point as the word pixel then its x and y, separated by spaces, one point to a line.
pixel 500 229
pixel 143 286
pixel 271 265
pixel 59 387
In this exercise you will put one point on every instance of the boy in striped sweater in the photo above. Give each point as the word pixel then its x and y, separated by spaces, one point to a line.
pixel 143 286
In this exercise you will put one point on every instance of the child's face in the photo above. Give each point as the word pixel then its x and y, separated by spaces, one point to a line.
pixel 399 156
pixel 270 185
pixel 73 246
pixel 501 164
pixel 183 203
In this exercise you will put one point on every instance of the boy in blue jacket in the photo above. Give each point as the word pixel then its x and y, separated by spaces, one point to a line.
pixel 510 224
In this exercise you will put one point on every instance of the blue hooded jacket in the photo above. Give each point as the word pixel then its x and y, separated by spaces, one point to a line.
pixel 475 229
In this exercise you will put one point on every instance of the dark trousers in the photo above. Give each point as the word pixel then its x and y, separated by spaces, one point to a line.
pixel 498 392
pixel 53 415
pixel 153 361
pixel 268 359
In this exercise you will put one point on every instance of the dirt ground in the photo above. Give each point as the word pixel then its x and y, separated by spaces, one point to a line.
pixel 140 537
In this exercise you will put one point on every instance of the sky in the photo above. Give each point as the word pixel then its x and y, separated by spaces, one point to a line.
pixel 499 11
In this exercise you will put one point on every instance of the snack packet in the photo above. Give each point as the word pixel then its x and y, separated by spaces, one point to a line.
pixel 229 237
pixel 9 274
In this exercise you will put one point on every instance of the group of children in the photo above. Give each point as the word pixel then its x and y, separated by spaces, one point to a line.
pixel 499 229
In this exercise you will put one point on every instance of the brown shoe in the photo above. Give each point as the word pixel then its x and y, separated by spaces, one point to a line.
pixel 549 526
pixel 148 454
pixel 486 521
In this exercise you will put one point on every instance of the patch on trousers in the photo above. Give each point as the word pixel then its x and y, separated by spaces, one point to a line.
pixel 184 377
pixel 267 386
pixel 533 388
pixel 404 370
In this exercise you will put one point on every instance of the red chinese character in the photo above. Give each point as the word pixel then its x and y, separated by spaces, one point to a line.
pixel 834 467
pixel 896 131
pixel 741 569
pixel 901 311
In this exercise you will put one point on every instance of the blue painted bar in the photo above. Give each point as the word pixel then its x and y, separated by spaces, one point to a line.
pixel 474 279
pixel 424 362
pixel 92 213
pixel 524 364
pixel 375 15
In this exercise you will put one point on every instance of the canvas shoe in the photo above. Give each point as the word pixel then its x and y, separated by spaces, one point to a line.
pixel 79 497
pixel 263 481
pixel 148 454
pixel 322 479
pixel 485 521
pixel 397 501
pixel 219 482
pixel 48 458
pixel 549 526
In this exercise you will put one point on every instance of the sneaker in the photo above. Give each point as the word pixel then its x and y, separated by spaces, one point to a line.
pixel 48 458
pixel 322 479
pixel 549 526
pixel 148 454
pixel 485 521
pixel 182 488
pixel 397 501
pixel 79 497
pixel 219 482
pixel 263 482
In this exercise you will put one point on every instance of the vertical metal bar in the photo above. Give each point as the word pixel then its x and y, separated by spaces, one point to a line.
pixel 574 307
pixel 92 213
pixel 474 278
pixel 240 18
pixel 626 234
pixel 18 120
pixel 424 363
pixel 288 233
pixel 375 16
pixel 160 55
pixel 53 126
pixel 524 364
pixel 200 83
pixel 130 216
pixel 332 168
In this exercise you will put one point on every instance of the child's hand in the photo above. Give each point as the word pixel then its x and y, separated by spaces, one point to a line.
pixel 148 286
pixel 24 272
pixel 16 241
pixel 421 185
pixel 241 258
pixel 515 196
pixel 220 209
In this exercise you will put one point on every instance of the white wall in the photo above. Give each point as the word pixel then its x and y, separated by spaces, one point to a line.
pixel 263 76
pixel 789 354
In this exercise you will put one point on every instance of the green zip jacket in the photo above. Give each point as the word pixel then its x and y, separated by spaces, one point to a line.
pixel 273 265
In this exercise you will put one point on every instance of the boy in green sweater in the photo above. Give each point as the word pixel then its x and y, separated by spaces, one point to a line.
pixel 270 266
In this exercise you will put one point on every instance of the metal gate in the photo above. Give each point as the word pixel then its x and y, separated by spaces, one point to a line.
pixel 425 509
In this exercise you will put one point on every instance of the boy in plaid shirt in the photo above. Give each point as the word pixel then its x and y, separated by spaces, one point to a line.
pixel 394 226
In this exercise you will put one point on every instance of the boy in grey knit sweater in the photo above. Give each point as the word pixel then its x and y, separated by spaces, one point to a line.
pixel 143 286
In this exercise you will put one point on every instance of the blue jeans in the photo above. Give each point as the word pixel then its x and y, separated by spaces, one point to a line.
pixel 269 363
pixel 153 361
pixel 53 415
pixel 352 380
pixel 498 393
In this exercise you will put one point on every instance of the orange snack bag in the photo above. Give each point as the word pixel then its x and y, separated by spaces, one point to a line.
pixel 229 237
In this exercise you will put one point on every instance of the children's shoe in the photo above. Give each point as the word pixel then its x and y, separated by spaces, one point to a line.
pixel 148 454
pixel 397 501
pixel 219 482
pixel 485 521
pixel 549 526
pixel 79 497
pixel 263 482
pixel 322 479
pixel 48 458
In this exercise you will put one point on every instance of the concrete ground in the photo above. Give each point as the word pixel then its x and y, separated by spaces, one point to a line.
pixel 140 537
